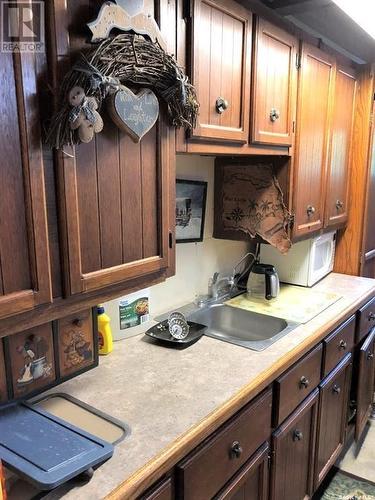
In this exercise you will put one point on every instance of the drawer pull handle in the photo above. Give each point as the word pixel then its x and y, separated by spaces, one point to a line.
pixel 78 322
pixel 339 204
pixel 274 114
pixel 236 450
pixel 336 389
pixel 221 105
pixel 370 355
pixel 371 316
pixel 297 435
pixel 310 210
pixel 343 345
pixel 304 382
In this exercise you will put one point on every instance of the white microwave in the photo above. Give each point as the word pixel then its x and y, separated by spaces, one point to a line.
pixel 307 261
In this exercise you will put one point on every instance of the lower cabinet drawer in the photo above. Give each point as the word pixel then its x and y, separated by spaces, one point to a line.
pixel 207 469
pixel 297 383
pixel 293 450
pixel 366 319
pixel 161 491
pixel 338 344
pixel 251 481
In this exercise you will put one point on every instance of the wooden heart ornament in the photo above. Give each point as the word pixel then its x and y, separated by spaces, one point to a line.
pixel 136 114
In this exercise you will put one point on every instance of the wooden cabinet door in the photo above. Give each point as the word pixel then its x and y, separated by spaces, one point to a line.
pixel 25 280
pixel 333 417
pixel 336 209
pixel 251 481
pixel 314 98
pixel 115 195
pixel 162 491
pixel 365 383
pixel 368 259
pixel 274 85
pixel 293 453
pixel 221 44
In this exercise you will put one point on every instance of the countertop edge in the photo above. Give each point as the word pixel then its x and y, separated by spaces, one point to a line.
pixel 153 470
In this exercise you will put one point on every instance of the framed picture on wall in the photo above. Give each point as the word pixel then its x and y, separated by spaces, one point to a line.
pixel 190 210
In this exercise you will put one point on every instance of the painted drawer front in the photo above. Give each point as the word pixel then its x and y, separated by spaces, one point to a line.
pixel 77 343
pixel 32 360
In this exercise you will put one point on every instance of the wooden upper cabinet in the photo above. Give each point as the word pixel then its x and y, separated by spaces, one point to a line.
pixel 221 39
pixel 274 85
pixel 24 256
pixel 115 194
pixel 336 210
pixel 313 117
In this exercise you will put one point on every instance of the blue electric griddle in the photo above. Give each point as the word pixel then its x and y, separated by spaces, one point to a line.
pixel 45 450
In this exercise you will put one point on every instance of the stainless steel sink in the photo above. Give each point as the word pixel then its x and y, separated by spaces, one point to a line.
pixel 238 326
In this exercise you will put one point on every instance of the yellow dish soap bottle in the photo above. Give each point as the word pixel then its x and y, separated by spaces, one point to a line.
pixel 104 332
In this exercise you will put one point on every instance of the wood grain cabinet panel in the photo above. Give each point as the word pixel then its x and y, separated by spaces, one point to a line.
pixel 116 195
pixel 208 468
pixel 365 383
pixel 366 319
pixel 251 481
pixel 293 450
pixel 315 86
pixel 221 40
pixel 274 85
pixel 297 383
pixel 333 416
pixel 336 209
pixel 338 344
pixel 25 280
pixel 162 491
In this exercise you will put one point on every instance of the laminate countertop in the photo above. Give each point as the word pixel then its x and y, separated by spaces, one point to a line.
pixel 173 399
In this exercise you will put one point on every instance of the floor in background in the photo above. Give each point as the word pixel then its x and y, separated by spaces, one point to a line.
pixel 346 487
pixel 362 465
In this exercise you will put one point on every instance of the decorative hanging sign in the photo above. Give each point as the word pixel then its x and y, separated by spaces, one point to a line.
pixel 252 202
pixel 137 58
pixel 117 16
pixel 136 114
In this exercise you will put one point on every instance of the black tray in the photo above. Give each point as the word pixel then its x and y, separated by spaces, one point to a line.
pixel 160 332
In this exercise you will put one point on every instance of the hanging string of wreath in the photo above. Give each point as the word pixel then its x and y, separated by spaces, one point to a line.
pixel 126 59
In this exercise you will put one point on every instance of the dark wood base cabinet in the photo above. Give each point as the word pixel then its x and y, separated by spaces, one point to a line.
pixel 293 452
pixel 365 383
pixel 247 458
pixel 333 417
pixel 251 481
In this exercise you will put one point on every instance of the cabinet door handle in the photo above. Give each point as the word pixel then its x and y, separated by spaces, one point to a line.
pixel 236 450
pixel 371 316
pixel 274 114
pixel 304 382
pixel 343 345
pixel 336 389
pixel 339 204
pixel 78 322
pixel 221 105
pixel 297 435
pixel 310 210
pixel 370 355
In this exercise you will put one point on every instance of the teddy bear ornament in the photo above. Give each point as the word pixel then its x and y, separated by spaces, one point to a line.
pixel 84 116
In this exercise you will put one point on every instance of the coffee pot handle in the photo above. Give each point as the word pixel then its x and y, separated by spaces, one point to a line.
pixel 272 285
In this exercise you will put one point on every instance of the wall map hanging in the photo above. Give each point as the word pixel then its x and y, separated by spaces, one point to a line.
pixel 252 202
pixel 129 71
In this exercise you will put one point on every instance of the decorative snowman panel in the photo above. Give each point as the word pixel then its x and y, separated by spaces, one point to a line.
pixel 32 360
